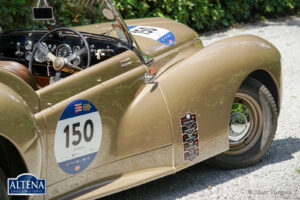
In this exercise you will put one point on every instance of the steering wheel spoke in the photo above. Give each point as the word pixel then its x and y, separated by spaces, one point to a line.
pixel 51 56
pixel 71 66
pixel 76 54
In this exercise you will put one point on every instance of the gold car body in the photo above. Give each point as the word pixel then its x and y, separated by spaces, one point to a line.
pixel 141 131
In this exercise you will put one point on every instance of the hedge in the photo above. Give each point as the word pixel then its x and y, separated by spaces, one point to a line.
pixel 202 15
pixel 205 15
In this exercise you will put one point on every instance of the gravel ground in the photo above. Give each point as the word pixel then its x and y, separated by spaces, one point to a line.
pixel 276 177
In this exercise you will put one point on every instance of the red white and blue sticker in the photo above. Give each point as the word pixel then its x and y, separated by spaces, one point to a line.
pixel 78 136
pixel 161 35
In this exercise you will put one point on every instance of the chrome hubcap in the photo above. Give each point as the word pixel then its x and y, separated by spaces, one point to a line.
pixel 246 124
pixel 240 123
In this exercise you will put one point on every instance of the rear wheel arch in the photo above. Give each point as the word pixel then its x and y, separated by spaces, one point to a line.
pixel 11 161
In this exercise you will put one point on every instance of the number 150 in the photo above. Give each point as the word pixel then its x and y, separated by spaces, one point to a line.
pixel 76 133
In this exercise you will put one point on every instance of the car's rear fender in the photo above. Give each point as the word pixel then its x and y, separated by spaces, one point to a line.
pixel 206 83
pixel 18 126
pixel 22 88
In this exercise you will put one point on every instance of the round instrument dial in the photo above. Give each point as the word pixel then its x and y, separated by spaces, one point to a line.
pixel 28 55
pixel 63 51
pixel 28 45
pixel 39 56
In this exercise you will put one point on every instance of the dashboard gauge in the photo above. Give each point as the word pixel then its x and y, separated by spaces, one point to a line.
pixel 63 51
pixel 28 55
pixel 28 45
pixel 39 56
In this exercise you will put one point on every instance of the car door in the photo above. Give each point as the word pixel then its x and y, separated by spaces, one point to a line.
pixel 94 118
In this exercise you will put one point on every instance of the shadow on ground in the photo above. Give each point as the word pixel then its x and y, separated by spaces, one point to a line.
pixel 199 177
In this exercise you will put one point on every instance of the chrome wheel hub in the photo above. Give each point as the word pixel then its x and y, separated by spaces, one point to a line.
pixel 246 124
pixel 240 123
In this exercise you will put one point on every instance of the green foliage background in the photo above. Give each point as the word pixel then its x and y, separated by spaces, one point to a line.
pixel 202 15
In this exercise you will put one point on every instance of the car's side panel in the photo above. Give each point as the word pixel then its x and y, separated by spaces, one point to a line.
pixel 112 99
pixel 134 121
pixel 205 84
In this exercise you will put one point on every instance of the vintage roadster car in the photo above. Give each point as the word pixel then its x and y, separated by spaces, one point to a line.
pixel 96 109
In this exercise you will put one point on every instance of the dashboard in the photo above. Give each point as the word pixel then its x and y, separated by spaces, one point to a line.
pixel 18 46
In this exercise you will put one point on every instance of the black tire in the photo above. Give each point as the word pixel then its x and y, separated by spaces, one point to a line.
pixel 260 130
pixel 3 186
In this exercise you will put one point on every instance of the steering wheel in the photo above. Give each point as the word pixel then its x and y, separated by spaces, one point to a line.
pixel 59 63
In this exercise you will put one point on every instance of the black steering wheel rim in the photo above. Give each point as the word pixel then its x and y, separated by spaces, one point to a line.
pixel 87 47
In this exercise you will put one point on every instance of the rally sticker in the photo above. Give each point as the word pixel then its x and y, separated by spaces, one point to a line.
pixel 159 34
pixel 190 136
pixel 125 62
pixel 78 136
pixel 190 155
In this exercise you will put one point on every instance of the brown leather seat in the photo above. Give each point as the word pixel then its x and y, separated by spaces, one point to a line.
pixel 21 71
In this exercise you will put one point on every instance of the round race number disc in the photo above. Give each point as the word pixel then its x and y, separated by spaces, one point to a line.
pixel 78 136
